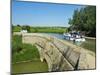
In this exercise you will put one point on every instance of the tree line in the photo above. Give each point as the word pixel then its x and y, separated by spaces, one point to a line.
pixel 84 19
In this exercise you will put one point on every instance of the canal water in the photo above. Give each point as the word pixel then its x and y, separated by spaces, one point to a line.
pixel 89 44
pixel 30 67
pixel 57 35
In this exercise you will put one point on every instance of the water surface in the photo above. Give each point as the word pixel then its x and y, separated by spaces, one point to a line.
pixel 29 67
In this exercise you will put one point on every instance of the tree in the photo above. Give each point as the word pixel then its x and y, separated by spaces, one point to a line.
pixel 70 21
pixel 18 25
pixel 84 20
pixel 26 27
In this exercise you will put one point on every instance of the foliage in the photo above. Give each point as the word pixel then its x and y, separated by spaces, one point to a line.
pixel 84 20
pixel 18 25
pixel 16 28
pixel 26 27
pixel 16 44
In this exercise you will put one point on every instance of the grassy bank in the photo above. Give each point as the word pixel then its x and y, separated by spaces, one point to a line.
pixel 89 44
pixel 23 52
pixel 25 57
pixel 28 52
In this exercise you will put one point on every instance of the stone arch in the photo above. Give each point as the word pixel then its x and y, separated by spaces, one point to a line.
pixel 45 57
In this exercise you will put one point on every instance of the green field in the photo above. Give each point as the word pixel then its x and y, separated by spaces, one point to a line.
pixel 48 30
pixel 40 29
pixel 25 57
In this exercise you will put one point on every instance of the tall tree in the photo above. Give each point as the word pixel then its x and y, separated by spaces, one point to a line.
pixel 84 20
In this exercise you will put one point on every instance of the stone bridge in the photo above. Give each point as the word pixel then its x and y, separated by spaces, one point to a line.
pixel 60 55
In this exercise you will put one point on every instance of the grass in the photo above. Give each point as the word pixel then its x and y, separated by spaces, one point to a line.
pixel 28 52
pixel 23 52
pixel 89 44
pixel 48 30
pixel 16 43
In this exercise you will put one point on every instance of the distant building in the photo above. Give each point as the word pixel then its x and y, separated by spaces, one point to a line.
pixel 23 31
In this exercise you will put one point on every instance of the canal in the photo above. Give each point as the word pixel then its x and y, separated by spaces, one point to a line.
pixel 29 67
pixel 89 44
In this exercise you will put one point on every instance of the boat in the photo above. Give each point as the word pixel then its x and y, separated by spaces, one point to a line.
pixel 74 36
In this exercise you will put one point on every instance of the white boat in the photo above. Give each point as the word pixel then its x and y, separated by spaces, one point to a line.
pixel 74 37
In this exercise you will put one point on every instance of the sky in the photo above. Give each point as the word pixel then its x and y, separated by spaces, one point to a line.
pixel 42 14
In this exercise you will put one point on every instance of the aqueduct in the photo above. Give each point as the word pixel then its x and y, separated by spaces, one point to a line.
pixel 59 54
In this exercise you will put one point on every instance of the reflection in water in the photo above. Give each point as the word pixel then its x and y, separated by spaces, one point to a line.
pixel 28 67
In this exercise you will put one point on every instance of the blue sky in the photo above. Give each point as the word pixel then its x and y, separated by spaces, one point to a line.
pixel 42 14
